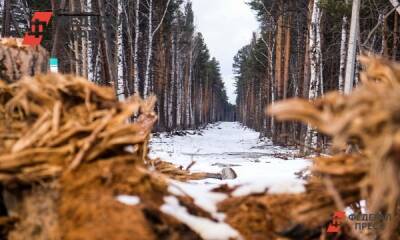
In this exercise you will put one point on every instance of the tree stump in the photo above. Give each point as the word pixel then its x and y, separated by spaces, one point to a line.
pixel 18 60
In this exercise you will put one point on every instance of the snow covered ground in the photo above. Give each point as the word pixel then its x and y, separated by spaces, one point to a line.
pixel 228 144
pixel 259 165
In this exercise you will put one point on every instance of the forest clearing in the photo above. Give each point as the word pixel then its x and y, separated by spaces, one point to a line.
pixel 139 119
pixel 230 145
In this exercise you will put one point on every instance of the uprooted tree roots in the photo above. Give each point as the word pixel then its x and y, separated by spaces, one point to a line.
pixel 368 118
pixel 50 123
pixel 67 149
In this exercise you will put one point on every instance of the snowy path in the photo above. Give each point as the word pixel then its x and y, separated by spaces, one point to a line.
pixel 227 144
pixel 221 145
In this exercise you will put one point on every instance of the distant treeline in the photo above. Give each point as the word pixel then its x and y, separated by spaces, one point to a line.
pixel 138 47
pixel 301 51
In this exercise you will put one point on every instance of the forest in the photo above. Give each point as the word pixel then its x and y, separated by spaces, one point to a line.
pixel 117 122
pixel 303 49
pixel 139 47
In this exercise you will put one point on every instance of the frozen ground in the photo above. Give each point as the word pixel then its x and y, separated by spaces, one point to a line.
pixel 228 144
pixel 259 165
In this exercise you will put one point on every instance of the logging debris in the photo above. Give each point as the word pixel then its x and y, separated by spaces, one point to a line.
pixel 365 181
pixel 369 119
pixel 68 148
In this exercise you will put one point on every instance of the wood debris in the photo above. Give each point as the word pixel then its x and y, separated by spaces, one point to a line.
pixel 50 123
pixel 369 119
pixel 68 148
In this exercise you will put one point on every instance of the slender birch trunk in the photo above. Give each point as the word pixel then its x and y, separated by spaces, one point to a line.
pixel 315 66
pixel 75 44
pixel 1 15
pixel 89 44
pixel 84 40
pixel 120 57
pixel 343 42
pixel 352 47
pixel 178 90
pixel 171 92
pixel 136 79
pixel 149 49
pixel 395 36
pixel 189 94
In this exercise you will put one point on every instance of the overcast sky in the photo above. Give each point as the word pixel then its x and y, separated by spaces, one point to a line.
pixel 227 25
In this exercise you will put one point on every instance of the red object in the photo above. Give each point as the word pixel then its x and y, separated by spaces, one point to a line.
pixel 337 220
pixel 39 20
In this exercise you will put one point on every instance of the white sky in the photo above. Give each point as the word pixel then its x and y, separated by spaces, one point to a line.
pixel 226 25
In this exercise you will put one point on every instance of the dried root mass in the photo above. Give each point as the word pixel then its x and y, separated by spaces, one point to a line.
pixel 52 122
pixel 368 118
pixel 68 148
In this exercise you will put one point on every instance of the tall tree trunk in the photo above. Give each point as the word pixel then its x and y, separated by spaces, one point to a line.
pixel 6 18
pixel 149 49
pixel 316 65
pixel 395 36
pixel 109 72
pixel 75 43
pixel 385 48
pixel 120 57
pixel 278 58
pixel 352 47
pixel 84 40
pixel 89 44
pixel 287 59
pixel 57 29
pixel 136 49
pixel 343 42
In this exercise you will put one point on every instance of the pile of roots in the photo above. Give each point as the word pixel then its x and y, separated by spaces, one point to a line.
pixel 365 179
pixel 52 122
pixel 68 149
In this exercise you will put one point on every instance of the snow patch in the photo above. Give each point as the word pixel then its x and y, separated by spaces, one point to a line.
pixel 206 228
pixel 201 194
pixel 128 200
pixel 255 162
